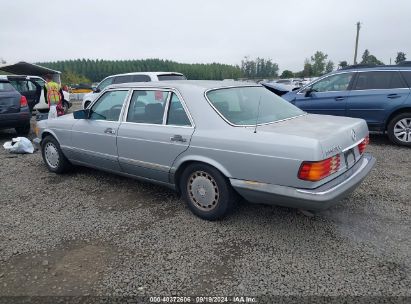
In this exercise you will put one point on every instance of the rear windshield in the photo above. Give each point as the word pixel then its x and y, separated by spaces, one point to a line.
pixel 241 105
pixel 6 87
pixel 171 77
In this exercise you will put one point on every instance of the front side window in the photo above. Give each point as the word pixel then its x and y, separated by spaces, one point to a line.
pixel 147 106
pixel 242 105
pixel 379 80
pixel 105 83
pixel 339 82
pixel 108 107
pixel 177 116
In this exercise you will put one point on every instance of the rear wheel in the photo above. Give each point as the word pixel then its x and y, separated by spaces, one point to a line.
pixel 207 192
pixel 399 129
pixel 53 156
pixel 24 130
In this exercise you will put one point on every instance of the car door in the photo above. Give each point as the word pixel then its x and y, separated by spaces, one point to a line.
pixel 94 139
pixel 326 96
pixel 374 93
pixel 156 129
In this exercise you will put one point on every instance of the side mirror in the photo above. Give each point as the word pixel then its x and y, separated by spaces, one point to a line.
pixel 96 90
pixel 82 114
pixel 309 92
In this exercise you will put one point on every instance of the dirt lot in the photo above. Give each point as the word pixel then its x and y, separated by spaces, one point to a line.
pixel 94 233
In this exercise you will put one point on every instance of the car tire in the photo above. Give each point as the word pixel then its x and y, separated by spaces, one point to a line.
pixel 86 104
pixel 66 106
pixel 24 130
pixel 399 129
pixel 53 157
pixel 207 192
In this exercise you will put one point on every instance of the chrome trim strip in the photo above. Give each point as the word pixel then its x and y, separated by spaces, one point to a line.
pixel 144 164
pixel 353 145
pixel 94 153
pixel 253 125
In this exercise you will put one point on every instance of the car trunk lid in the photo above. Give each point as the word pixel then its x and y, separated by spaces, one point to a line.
pixel 335 134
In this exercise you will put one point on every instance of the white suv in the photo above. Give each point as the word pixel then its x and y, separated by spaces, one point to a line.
pixel 130 77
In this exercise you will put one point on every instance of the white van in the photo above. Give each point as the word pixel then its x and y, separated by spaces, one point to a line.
pixel 130 77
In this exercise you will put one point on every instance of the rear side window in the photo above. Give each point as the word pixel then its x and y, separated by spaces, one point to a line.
pixel 6 87
pixel 407 76
pixel 147 107
pixel 141 78
pixel 177 116
pixel 123 79
pixel 379 80
pixel 171 77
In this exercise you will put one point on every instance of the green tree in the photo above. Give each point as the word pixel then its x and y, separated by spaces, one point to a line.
pixel 367 58
pixel 400 57
pixel 343 64
pixel 318 62
pixel 329 67
pixel 70 78
pixel 287 74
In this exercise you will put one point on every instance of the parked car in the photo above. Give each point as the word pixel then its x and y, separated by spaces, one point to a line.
pixel 28 80
pixel 130 77
pixel 14 109
pixel 380 95
pixel 210 140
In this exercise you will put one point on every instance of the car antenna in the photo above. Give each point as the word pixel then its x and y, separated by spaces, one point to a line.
pixel 258 115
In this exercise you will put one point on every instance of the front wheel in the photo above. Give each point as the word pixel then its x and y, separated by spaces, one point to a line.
pixel 53 156
pixel 399 129
pixel 207 192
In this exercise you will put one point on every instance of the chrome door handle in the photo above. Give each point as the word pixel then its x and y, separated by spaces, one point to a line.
pixel 178 138
pixel 109 131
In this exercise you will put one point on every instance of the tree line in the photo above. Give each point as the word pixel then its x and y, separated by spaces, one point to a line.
pixel 88 70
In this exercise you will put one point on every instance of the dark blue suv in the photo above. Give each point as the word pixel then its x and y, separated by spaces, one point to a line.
pixel 380 95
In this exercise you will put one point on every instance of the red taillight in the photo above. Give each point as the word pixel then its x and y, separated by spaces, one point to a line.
pixel 23 101
pixel 363 145
pixel 315 171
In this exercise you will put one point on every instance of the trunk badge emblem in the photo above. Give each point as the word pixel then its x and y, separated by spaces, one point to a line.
pixel 353 135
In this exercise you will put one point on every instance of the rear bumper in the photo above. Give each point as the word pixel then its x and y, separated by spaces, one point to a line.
pixel 13 120
pixel 310 199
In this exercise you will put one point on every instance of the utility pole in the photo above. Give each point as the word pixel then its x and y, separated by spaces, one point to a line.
pixel 356 42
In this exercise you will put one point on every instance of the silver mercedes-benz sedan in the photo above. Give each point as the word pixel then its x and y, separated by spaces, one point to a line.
pixel 213 141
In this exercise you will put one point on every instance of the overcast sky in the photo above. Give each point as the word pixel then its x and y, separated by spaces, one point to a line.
pixel 203 31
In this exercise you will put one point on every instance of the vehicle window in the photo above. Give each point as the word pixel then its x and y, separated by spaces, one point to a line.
pixel 171 77
pixel 105 83
pixel 123 79
pixel 407 76
pixel 108 106
pixel 177 116
pixel 241 105
pixel 337 82
pixel 6 87
pixel 31 86
pixel 19 85
pixel 40 82
pixel 379 80
pixel 147 107
pixel 141 78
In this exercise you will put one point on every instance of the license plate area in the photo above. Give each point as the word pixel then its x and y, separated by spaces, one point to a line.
pixel 349 158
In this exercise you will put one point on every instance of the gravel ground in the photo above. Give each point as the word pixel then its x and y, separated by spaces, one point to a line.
pixel 94 233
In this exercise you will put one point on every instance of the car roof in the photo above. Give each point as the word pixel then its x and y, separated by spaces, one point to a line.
pixel 359 67
pixel 199 84
pixel 147 73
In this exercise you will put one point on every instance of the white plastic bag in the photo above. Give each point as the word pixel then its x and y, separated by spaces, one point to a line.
pixel 19 145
